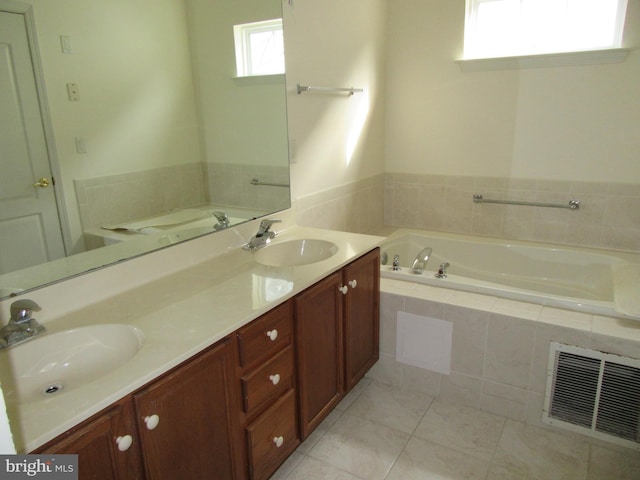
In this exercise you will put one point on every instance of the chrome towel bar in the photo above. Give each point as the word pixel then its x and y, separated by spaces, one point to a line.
pixel 256 181
pixel 350 90
pixel 573 204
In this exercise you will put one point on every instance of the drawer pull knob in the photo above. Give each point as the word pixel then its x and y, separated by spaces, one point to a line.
pixel 124 442
pixel 343 289
pixel 152 421
pixel 275 379
pixel 353 283
pixel 272 334
pixel 278 441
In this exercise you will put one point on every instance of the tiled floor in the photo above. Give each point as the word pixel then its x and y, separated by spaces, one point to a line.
pixel 379 432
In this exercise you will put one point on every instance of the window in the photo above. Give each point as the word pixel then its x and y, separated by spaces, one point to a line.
pixel 259 48
pixel 503 28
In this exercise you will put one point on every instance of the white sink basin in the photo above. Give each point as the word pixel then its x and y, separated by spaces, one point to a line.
pixel 57 362
pixel 295 252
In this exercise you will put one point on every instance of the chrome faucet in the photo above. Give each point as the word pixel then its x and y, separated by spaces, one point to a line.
pixel 442 270
pixel 420 262
pixel 263 236
pixel 21 326
pixel 223 220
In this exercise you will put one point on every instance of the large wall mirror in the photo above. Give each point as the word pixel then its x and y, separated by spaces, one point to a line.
pixel 130 130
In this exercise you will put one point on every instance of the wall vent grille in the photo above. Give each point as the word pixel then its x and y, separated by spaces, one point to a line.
pixel 594 393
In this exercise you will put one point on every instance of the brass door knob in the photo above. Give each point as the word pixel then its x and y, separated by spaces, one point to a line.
pixel 42 183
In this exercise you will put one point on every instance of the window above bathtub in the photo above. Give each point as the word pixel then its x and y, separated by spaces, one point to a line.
pixel 581 31
pixel 259 48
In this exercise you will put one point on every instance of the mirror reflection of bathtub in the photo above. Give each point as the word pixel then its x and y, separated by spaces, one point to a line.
pixel 594 281
pixel 169 228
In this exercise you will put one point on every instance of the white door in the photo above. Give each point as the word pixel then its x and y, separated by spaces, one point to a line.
pixel 30 231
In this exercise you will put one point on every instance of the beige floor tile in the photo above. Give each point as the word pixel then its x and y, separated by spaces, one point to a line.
pixel 465 429
pixel 288 466
pixel 391 406
pixel 312 469
pixel 422 460
pixel 496 472
pixel 526 451
pixel 360 447
pixel 317 434
pixel 607 464
pixel 353 395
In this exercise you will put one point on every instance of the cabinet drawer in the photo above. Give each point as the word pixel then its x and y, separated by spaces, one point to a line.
pixel 272 437
pixel 263 337
pixel 269 381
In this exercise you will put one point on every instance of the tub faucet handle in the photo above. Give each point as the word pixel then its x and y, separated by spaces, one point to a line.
pixel 442 270
pixel 396 263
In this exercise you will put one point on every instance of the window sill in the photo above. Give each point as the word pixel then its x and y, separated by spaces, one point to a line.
pixel 592 57
pixel 277 78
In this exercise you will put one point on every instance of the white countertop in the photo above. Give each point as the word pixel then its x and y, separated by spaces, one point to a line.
pixel 180 315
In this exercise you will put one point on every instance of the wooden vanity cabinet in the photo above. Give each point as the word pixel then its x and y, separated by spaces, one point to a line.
pixel 182 425
pixel 187 420
pixel 98 440
pixel 337 336
pixel 319 348
pixel 241 407
pixel 266 382
pixel 361 317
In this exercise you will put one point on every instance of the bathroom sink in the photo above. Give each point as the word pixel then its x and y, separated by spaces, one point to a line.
pixel 58 362
pixel 295 252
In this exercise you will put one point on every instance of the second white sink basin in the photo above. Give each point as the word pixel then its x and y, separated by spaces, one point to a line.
pixel 57 362
pixel 295 252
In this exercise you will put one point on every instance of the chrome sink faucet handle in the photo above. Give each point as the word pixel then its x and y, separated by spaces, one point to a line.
pixel 22 310
pixel 265 225
pixel 263 236
pixel 222 218
pixel 21 326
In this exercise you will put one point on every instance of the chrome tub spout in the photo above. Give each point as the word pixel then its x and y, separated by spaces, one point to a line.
pixel 420 262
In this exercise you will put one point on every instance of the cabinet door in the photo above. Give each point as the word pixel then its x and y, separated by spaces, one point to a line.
pixel 362 316
pixel 318 337
pixel 197 433
pixel 98 443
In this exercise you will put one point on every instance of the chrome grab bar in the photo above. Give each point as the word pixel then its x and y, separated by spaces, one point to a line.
pixel 256 181
pixel 350 90
pixel 573 204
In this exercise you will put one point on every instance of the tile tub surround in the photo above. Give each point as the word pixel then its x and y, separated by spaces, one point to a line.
pixel 211 279
pixel 382 432
pixel 609 214
pixel 115 199
pixel 500 347
pixel 230 184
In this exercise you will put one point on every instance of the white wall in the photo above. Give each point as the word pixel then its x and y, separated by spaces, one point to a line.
pixel 233 110
pixel 336 139
pixel 563 123
pixel 131 63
